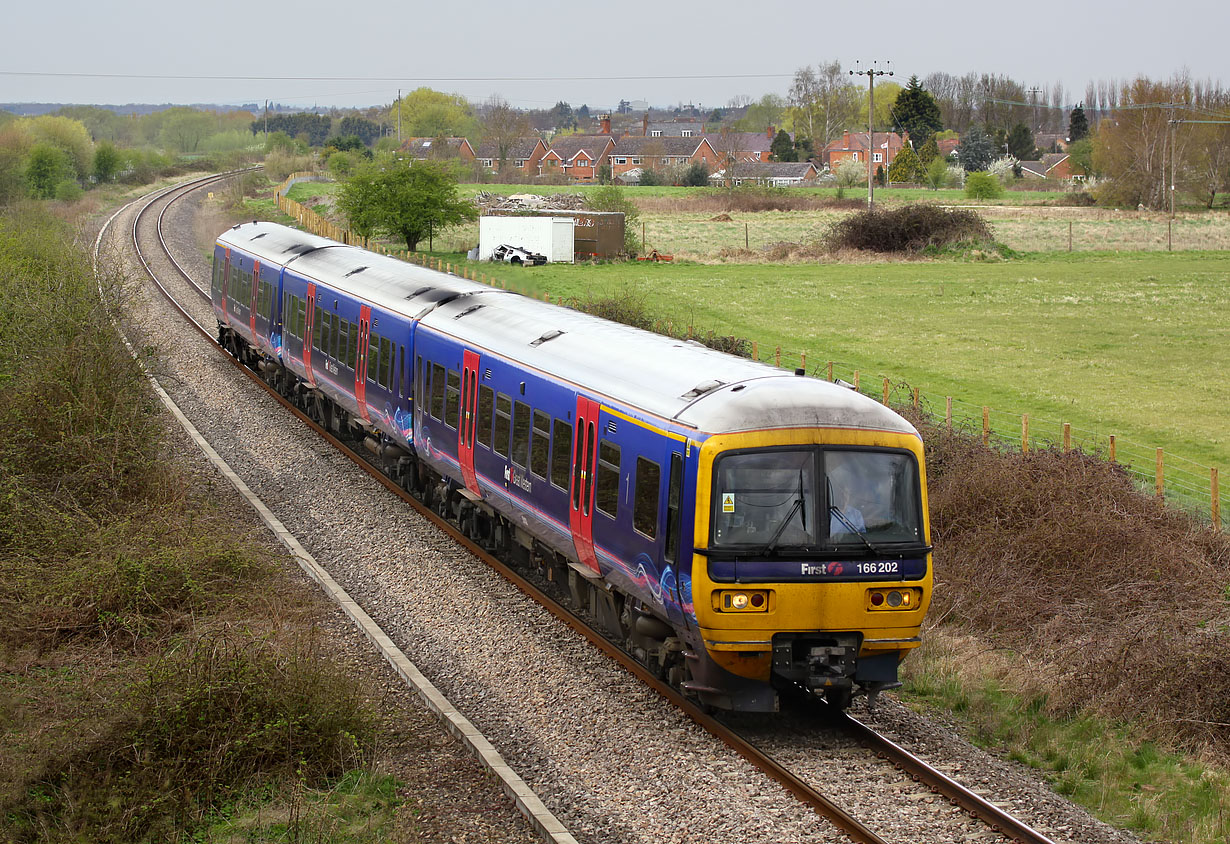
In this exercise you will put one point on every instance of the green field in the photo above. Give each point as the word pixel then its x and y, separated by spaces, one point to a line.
pixel 1134 345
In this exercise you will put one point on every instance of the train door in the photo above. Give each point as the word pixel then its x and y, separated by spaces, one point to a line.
pixel 226 281
pixel 581 493
pixel 360 366
pixel 309 326
pixel 256 297
pixel 468 423
pixel 674 527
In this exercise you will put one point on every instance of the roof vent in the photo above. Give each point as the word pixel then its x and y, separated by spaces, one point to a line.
pixel 550 335
pixel 469 311
pixel 702 388
pixel 420 292
pixel 259 236
pixel 355 271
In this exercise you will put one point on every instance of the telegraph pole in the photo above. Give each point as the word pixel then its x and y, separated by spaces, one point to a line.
pixel 399 118
pixel 871 73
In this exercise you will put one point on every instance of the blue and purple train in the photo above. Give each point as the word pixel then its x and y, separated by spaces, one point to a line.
pixel 743 530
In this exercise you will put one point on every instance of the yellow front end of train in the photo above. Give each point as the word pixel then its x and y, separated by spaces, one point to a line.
pixel 813 561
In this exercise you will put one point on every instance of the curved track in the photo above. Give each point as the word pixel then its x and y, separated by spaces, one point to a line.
pixel 994 817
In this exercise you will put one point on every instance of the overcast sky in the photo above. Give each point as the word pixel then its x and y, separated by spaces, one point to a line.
pixel 534 54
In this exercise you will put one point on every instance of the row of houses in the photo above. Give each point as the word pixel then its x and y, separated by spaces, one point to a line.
pixel 730 157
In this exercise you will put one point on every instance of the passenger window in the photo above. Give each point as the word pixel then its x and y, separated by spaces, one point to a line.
pixel 540 446
pixel 521 434
pixel 453 400
pixel 437 391
pixel 561 454
pixel 386 363
pixel 503 418
pixel 352 352
pixel 486 406
pixel 320 317
pixel 326 335
pixel 341 339
pixel 645 504
pixel 608 479
pixel 373 358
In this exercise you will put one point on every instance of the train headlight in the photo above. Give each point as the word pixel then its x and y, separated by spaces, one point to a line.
pixel 743 600
pixel 893 599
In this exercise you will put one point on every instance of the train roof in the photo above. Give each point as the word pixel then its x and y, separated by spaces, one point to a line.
pixel 389 283
pixel 685 381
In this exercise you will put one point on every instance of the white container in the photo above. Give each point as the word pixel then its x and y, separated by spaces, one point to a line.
pixel 550 236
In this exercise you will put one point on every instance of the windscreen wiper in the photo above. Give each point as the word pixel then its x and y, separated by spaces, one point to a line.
pixel 841 517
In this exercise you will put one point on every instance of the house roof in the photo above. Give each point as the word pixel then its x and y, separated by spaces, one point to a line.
pixel 640 145
pixel 567 146
pixel 676 128
pixel 740 141
pixel 520 148
pixel 858 141
pixel 428 147
pixel 1045 166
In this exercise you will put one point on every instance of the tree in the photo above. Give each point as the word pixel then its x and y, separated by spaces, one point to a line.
pixel 906 167
pixel 345 143
pixel 980 185
pixel 14 147
pixel 915 111
pixel 715 116
pixel 365 130
pixel 1078 124
pixel 782 147
pixel 823 102
pixel 426 114
pixel 503 126
pixel 767 111
pixel 408 202
pixel 976 151
pixel 928 152
pixel 68 135
pixel 561 117
pixel 611 198
pixel 46 167
pixel 1020 143
pixel 106 161
pixel 696 176
pixel 1132 147
pixel 937 173
pixel 850 173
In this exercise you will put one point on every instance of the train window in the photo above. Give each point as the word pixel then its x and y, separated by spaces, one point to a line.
pixel 418 377
pixel 586 477
pixel 302 318
pixel 386 362
pixel 486 406
pixel 352 352
pixel 316 327
pixel 453 400
pixel 326 333
pixel 645 504
pixel 561 454
pixel 373 357
pixel 674 496
pixel 540 445
pixel 341 328
pixel 503 418
pixel 437 391
pixel 521 434
pixel 401 371
pixel 608 479
pixel 215 283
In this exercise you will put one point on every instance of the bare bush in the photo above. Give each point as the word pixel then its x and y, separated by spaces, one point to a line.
pixel 910 228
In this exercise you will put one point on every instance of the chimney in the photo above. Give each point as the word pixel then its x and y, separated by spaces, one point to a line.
pixel 769 133
pixel 645 124
pixel 606 123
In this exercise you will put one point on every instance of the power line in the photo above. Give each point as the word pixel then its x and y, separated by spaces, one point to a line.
pixel 207 78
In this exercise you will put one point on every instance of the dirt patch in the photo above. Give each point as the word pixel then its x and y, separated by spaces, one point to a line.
pixel 721 218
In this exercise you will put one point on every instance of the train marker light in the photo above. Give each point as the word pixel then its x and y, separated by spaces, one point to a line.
pixel 877 598
pixel 742 601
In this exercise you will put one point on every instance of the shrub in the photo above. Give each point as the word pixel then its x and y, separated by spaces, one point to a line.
pixel 627 307
pixel 611 198
pixel 983 185
pixel 696 176
pixel 850 173
pixel 910 228
pixel 69 191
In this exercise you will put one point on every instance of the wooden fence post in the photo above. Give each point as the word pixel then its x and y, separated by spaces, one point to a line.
pixel 830 370
pixel 856 381
pixel 803 361
pixel 1216 508
pixel 777 359
pixel 948 411
pixel 1112 448
pixel 1067 436
pixel 986 425
pixel 1161 493
pixel 886 392
pixel 916 398
pixel 755 350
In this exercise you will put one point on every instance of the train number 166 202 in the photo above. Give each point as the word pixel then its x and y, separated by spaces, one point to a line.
pixel 880 567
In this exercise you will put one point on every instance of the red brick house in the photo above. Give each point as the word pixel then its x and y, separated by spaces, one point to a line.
pixel 524 156
pixel 423 149
pixel 852 146
pixel 578 156
pixel 948 146
pixel 637 151
pixel 778 174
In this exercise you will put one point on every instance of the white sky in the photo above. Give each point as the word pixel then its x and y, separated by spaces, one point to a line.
pixel 534 54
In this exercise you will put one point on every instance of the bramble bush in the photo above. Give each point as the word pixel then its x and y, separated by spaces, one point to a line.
pixel 910 228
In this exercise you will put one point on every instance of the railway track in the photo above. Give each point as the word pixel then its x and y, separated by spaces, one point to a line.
pixel 750 744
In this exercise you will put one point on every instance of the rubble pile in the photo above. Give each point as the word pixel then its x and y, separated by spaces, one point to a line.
pixel 488 202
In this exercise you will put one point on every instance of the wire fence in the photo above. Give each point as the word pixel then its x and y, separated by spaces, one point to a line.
pixel 1180 482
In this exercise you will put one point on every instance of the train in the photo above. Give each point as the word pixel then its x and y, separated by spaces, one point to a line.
pixel 746 532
